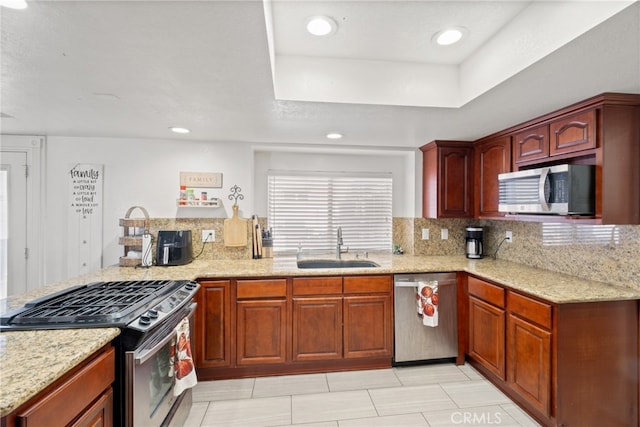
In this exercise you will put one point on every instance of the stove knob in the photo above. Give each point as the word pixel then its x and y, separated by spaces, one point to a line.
pixel 145 320
pixel 190 286
pixel 153 314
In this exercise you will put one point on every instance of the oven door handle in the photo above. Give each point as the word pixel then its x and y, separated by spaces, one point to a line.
pixel 143 355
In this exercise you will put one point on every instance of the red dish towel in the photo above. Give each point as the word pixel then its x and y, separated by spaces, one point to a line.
pixel 427 300
pixel 181 359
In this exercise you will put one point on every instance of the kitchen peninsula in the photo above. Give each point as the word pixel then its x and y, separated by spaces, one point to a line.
pixel 555 289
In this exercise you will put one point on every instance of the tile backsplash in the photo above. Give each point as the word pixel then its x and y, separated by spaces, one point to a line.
pixel 603 253
pixel 606 253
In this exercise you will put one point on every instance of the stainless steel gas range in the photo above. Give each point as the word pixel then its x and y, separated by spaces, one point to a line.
pixel 147 313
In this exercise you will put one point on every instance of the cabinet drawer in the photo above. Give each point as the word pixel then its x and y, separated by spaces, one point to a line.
pixel 530 309
pixel 367 284
pixel 486 291
pixel 73 396
pixel 531 144
pixel 317 285
pixel 574 133
pixel 261 288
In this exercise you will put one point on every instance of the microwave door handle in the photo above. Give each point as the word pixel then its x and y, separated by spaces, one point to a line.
pixel 544 175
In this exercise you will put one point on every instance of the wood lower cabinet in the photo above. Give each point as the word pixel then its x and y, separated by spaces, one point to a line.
pixel 83 397
pixel 530 362
pixel 529 324
pixel 100 414
pixel 487 335
pixel 271 326
pixel 566 364
pixel 317 328
pixel 368 326
pixel 262 332
pixel 368 316
pixel 317 318
pixel 213 315
pixel 261 321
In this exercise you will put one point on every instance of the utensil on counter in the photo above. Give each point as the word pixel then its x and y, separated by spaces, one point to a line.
pixel 257 237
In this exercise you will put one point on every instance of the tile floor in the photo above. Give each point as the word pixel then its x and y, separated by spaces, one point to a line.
pixel 427 395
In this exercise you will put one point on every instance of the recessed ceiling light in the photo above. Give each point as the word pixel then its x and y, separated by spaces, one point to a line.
pixel 334 135
pixel 449 36
pixel 179 130
pixel 321 25
pixel 14 4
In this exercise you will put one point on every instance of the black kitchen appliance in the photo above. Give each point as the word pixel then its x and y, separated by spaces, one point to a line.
pixel 174 247
pixel 147 313
pixel 474 242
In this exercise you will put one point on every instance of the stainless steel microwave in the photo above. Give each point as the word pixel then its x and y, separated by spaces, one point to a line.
pixel 555 190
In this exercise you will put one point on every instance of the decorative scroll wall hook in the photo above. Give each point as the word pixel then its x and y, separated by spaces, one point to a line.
pixel 235 194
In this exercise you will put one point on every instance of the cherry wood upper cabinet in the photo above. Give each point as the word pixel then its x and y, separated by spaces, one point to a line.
pixel 531 144
pixel 603 131
pixel 447 179
pixel 492 157
pixel 573 133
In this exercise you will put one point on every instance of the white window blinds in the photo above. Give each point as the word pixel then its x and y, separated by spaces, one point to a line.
pixel 307 209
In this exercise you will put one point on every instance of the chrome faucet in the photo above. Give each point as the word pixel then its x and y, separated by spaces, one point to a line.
pixel 339 246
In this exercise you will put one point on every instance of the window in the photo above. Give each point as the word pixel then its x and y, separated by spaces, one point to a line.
pixel 306 209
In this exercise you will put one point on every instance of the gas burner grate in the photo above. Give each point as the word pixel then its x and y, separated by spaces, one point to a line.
pixel 100 303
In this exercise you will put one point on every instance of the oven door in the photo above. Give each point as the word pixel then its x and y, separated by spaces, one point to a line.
pixel 148 377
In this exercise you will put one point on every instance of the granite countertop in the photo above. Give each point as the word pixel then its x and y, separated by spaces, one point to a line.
pixel 52 353
pixel 32 360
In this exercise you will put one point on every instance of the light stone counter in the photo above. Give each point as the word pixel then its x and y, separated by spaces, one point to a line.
pixel 22 379
pixel 32 360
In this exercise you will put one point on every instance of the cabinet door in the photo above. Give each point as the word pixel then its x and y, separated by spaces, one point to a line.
pixel 531 144
pixel 317 328
pixel 574 133
pixel 492 157
pixel 368 326
pixel 213 324
pixel 447 179
pixel 74 396
pixel 262 332
pixel 529 373
pixel 455 182
pixel 487 335
pixel 100 414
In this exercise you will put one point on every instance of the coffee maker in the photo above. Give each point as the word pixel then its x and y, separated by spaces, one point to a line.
pixel 474 242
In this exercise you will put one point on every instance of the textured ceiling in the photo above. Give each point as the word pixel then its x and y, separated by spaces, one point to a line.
pixel 133 69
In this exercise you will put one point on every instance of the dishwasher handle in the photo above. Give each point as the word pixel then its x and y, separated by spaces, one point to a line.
pixel 413 284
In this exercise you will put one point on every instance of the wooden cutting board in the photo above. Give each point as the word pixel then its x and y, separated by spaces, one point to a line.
pixel 235 230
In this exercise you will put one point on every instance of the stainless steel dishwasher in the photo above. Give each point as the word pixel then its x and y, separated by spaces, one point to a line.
pixel 415 342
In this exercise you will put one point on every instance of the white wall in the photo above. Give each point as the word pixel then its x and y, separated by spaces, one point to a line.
pixel 136 173
pixel 139 172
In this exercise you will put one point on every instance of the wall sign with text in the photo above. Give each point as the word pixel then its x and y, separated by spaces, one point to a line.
pixel 84 224
pixel 201 179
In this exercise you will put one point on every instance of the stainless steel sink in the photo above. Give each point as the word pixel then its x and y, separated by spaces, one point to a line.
pixel 336 263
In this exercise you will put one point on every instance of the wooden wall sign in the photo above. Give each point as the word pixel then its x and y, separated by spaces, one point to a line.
pixel 201 179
